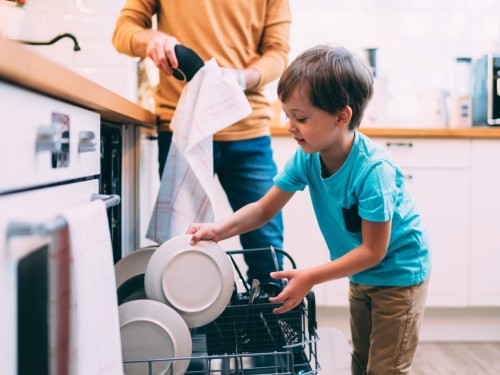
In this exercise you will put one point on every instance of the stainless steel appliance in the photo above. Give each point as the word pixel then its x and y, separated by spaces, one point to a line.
pixel 486 90
pixel 50 162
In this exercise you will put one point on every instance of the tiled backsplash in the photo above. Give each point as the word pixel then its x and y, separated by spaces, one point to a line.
pixel 92 23
pixel 417 41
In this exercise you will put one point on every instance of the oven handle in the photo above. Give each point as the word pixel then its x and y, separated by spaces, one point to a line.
pixel 86 141
pixel 17 228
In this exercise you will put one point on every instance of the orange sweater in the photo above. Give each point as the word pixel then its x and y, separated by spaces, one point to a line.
pixel 237 33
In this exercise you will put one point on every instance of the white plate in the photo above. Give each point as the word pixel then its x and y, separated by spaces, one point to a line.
pixel 129 274
pixel 150 329
pixel 133 264
pixel 197 281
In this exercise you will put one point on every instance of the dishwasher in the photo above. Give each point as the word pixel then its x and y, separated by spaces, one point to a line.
pixel 247 338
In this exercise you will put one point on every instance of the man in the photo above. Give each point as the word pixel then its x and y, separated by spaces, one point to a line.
pixel 251 39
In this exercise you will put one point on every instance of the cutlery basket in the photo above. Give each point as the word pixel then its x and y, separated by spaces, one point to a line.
pixel 245 327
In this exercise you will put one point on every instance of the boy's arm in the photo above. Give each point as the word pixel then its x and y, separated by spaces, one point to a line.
pixel 300 281
pixel 244 220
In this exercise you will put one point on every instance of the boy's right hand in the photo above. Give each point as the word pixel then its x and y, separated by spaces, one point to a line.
pixel 203 231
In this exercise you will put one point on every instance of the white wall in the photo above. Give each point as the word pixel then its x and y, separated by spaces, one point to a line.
pixel 417 40
pixel 92 22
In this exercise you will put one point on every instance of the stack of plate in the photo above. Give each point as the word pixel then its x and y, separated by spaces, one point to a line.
pixel 162 292
pixel 150 329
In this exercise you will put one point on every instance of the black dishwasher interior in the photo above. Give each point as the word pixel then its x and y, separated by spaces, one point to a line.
pixel 110 181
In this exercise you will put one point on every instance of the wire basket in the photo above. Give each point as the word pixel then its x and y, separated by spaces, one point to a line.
pixel 246 327
pixel 247 338
pixel 253 328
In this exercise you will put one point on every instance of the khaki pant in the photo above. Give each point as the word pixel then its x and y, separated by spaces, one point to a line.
pixel 385 323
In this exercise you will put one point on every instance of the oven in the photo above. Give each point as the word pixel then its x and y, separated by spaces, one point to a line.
pixel 50 162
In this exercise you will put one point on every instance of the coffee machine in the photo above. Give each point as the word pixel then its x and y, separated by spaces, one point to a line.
pixel 486 90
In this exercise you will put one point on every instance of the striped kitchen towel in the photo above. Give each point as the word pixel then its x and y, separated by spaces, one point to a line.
pixel 94 337
pixel 210 102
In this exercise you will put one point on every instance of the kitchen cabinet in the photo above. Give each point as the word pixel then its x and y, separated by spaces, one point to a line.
pixel 438 176
pixel 485 208
pixel 148 182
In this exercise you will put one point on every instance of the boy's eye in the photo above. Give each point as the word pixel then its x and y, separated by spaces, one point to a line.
pixel 301 120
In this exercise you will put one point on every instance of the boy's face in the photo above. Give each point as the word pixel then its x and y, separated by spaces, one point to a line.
pixel 314 129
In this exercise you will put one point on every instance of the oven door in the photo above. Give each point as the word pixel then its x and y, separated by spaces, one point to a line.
pixel 34 322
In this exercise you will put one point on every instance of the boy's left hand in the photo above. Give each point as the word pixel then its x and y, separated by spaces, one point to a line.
pixel 292 295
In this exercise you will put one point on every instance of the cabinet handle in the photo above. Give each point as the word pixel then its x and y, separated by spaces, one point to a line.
pixel 151 137
pixel 86 141
pixel 399 144
pixel 48 139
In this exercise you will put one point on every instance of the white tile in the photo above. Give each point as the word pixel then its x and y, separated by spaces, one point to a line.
pixel 49 6
pixel 84 27
pixel 61 53
pixel 98 6
pixel 100 54
pixel 35 26
pixel 121 81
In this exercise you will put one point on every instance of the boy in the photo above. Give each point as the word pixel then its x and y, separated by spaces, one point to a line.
pixel 365 212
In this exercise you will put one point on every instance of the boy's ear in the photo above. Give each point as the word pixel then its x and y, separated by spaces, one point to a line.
pixel 344 116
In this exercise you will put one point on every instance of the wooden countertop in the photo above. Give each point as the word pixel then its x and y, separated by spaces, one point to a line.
pixel 21 66
pixel 471 132
pixel 280 129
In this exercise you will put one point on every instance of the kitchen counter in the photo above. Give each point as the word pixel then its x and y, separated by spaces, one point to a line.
pixel 472 132
pixel 280 129
pixel 23 67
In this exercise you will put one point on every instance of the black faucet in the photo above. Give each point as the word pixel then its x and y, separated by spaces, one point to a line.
pixel 76 46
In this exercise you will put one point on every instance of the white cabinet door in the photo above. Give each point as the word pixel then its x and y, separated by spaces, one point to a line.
pixel 485 216
pixel 443 198
pixel 147 180
pixel 441 188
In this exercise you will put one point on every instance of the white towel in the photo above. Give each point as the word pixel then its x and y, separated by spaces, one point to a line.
pixel 210 102
pixel 95 346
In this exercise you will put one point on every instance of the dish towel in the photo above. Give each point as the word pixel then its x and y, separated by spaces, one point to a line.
pixel 210 102
pixel 60 301
pixel 95 346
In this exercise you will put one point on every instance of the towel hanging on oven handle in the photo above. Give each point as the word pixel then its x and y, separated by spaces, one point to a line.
pixel 17 228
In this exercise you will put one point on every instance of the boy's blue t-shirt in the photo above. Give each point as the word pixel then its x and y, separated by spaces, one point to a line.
pixel 367 186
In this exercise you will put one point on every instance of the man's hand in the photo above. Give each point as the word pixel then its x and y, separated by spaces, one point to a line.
pixel 160 49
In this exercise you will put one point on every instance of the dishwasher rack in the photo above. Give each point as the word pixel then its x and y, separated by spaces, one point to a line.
pixel 248 339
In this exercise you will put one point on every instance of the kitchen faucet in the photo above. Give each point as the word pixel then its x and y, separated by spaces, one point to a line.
pixel 76 46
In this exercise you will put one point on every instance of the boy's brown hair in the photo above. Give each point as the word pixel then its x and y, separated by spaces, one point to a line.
pixel 333 77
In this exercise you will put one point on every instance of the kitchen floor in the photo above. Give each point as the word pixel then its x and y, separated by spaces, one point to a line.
pixel 457 359
pixel 431 358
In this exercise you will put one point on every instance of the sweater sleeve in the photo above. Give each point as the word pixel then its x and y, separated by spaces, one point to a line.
pixel 274 47
pixel 136 15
